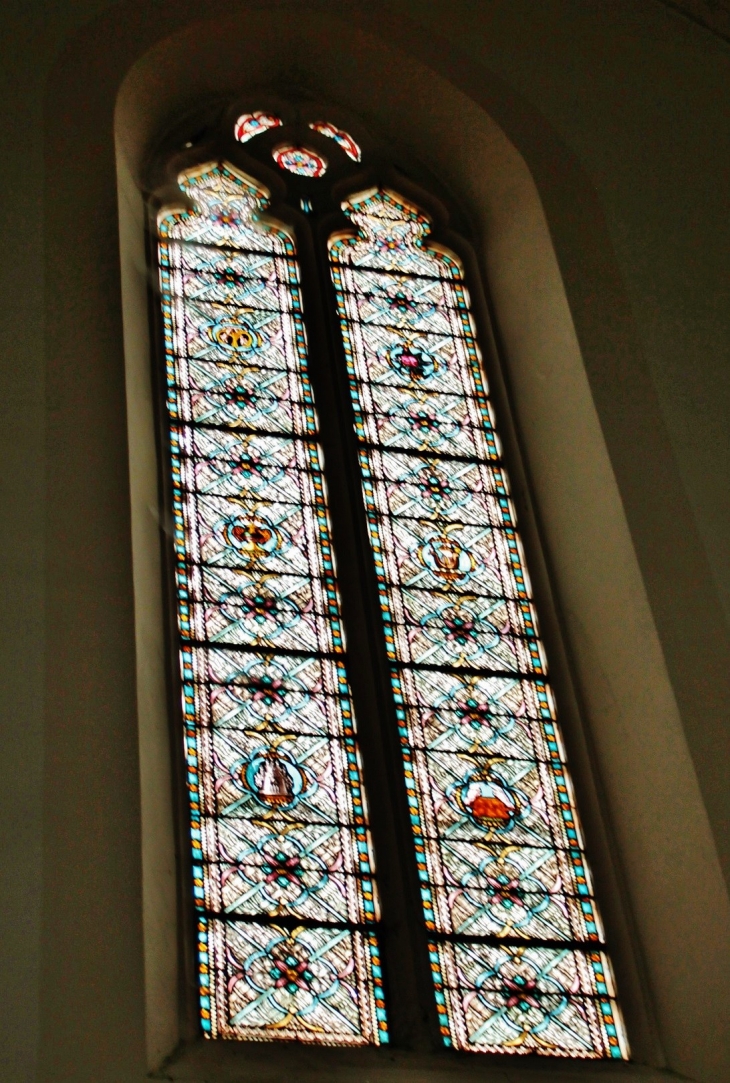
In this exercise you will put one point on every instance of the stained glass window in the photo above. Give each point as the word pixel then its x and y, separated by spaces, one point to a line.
pixel 516 943
pixel 342 138
pixel 250 124
pixel 300 160
pixel 287 910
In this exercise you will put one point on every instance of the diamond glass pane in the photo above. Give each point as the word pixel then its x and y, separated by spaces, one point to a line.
pixel 507 896
pixel 282 858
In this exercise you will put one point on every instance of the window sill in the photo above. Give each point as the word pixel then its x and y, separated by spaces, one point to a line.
pixel 233 1062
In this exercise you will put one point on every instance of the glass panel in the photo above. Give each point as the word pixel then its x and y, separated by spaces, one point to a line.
pixel 282 858
pixel 507 896
pixel 250 124
pixel 300 160
pixel 342 138
pixel 552 1001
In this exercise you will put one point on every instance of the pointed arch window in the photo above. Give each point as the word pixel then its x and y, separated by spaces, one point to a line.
pixel 294 940
pixel 282 865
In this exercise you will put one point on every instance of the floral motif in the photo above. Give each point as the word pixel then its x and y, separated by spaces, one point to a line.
pixel 300 160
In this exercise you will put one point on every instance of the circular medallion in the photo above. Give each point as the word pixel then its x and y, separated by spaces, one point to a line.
pixel 274 778
pixel 300 160
pixel 446 558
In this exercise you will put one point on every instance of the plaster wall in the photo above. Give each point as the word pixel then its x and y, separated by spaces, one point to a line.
pixel 614 109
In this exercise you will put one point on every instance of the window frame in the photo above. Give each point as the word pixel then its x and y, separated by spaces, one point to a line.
pixel 324 342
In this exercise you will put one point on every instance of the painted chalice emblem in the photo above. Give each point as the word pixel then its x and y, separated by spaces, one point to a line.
pixel 253 538
pixel 443 555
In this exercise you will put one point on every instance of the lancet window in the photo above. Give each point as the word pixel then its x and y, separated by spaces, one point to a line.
pixel 282 861
pixel 292 934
